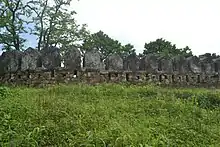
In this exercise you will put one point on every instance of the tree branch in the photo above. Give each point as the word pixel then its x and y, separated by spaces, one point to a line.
pixel 38 14
pixel 17 5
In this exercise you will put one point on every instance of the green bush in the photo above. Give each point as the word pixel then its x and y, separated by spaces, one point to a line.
pixel 183 94
pixel 109 115
pixel 4 92
pixel 208 100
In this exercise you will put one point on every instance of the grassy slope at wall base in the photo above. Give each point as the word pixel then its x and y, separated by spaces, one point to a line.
pixel 109 115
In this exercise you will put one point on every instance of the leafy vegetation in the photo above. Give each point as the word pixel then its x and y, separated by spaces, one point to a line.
pixel 12 24
pixel 53 23
pixel 165 48
pixel 106 45
pixel 50 21
pixel 109 115
pixel 4 92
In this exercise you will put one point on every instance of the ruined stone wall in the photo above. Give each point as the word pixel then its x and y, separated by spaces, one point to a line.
pixel 35 68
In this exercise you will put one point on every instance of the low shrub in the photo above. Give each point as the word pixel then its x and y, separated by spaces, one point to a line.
pixel 4 92
pixel 183 94
pixel 208 100
pixel 109 115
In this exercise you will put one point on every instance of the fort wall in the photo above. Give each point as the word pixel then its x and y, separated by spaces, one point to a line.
pixel 35 68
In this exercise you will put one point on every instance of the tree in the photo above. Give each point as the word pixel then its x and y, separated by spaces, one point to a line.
pixel 38 9
pixel 165 48
pixel 53 12
pixel 106 45
pixel 126 50
pixel 12 24
pixel 55 25
pixel 187 52
pixel 67 32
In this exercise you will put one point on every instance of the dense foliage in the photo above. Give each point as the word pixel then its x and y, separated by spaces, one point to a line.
pixel 166 48
pixel 53 23
pixel 12 24
pixel 106 45
pixel 109 115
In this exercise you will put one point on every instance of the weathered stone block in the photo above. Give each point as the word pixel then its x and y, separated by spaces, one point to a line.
pixel 131 63
pixel 194 64
pixel 114 62
pixel 30 59
pixel 92 60
pixel 216 65
pixel 50 57
pixel 149 63
pixel 180 65
pixel 11 61
pixel 72 59
pixel 1 65
pixel 165 65
pixel 206 63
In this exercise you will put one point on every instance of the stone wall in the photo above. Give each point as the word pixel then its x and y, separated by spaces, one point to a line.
pixel 35 68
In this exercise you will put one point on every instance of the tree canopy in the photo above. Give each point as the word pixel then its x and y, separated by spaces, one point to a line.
pixel 165 48
pixel 54 24
pixel 106 45
pixel 12 24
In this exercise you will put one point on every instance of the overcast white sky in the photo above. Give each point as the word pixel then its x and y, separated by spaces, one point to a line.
pixel 195 23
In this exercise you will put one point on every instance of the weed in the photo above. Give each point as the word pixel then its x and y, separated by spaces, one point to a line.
pixel 109 115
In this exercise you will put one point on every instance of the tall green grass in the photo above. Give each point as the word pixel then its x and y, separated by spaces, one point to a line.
pixel 109 115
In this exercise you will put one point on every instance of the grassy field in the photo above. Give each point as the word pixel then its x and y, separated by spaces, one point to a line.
pixel 109 115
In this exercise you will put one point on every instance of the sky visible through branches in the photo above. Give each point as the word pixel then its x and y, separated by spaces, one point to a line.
pixel 184 23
